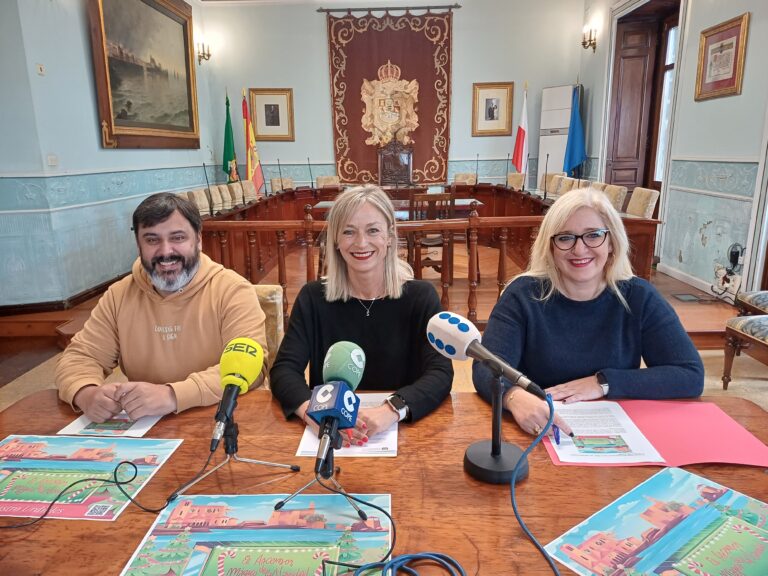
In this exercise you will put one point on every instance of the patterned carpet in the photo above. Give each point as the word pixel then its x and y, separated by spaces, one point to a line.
pixel 750 379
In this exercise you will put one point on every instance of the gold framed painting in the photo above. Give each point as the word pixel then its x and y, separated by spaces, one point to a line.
pixel 492 108
pixel 272 113
pixel 721 58
pixel 144 73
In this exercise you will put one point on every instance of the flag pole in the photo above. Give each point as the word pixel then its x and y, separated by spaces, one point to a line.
pixel 311 179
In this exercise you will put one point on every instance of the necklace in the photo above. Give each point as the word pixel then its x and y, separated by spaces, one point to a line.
pixel 367 308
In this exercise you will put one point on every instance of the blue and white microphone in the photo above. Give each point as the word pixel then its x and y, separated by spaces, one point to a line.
pixel 334 404
pixel 457 338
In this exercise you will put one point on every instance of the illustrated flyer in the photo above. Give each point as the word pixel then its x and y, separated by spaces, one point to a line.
pixel 216 535
pixel 34 469
pixel 119 425
pixel 673 523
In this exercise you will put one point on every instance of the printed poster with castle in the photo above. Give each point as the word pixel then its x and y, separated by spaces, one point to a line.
pixel 673 523
pixel 217 535
pixel 35 469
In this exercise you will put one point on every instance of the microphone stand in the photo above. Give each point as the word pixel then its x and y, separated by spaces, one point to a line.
pixel 493 461
pixel 326 472
pixel 231 432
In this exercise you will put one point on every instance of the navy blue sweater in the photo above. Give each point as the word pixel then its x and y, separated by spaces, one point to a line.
pixel 560 340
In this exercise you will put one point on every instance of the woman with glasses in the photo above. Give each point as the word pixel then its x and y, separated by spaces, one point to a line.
pixel 578 322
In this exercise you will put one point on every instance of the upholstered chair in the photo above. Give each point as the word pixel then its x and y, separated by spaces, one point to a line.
pixel 515 180
pixel 642 202
pixel 566 185
pixel 200 199
pixel 271 301
pixel 249 191
pixel 215 198
pixel 469 178
pixel 616 194
pixel 236 194
pixel 548 179
pixel 226 199
pixel 598 186
pixel 323 181
pixel 279 184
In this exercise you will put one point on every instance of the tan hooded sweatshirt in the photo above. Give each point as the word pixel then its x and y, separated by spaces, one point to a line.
pixel 175 340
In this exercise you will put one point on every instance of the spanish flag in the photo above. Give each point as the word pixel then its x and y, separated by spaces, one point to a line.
pixel 253 169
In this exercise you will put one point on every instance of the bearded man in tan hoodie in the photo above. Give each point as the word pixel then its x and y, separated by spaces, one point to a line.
pixel 165 324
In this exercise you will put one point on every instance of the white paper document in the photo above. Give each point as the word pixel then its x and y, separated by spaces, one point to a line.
pixel 603 434
pixel 384 444
pixel 119 425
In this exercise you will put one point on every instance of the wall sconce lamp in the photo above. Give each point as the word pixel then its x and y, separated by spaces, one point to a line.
pixel 589 39
pixel 203 53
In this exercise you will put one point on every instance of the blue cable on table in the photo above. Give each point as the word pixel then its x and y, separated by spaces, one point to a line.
pixel 400 564
pixel 524 458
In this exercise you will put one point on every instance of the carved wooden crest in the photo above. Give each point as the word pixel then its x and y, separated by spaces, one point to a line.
pixel 390 103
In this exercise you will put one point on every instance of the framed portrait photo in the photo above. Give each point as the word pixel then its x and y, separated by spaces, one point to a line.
pixel 721 58
pixel 144 73
pixel 272 113
pixel 492 108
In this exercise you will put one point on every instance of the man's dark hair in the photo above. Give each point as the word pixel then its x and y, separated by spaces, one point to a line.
pixel 159 207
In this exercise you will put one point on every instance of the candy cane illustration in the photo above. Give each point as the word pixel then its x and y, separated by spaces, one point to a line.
pixel 220 562
pixel 696 568
pixel 323 556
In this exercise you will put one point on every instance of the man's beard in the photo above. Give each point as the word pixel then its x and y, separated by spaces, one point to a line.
pixel 165 284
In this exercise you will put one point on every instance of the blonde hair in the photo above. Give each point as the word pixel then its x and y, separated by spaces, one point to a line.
pixel 542 263
pixel 396 271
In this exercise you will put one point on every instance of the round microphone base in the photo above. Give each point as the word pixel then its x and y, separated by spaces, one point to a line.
pixel 482 465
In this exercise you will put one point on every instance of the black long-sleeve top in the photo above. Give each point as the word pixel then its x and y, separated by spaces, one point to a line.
pixel 398 355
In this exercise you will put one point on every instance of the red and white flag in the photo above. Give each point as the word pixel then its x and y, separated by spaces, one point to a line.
pixel 520 156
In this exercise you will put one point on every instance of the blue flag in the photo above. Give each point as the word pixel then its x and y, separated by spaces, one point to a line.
pixel 575 152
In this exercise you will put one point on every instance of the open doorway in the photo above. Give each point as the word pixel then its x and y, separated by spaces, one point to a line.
pixel 641 95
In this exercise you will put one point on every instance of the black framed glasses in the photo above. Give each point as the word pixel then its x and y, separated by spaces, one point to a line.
pixel 591 239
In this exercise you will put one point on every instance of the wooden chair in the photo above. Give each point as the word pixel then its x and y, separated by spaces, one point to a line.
pixel 748 331
pixel 515 180
pixel 616 194
pixel 426 206
pixel 642 202
pixel 752 303
pixel 278 184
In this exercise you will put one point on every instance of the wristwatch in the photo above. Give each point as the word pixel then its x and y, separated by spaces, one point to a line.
pixel 603 381
pixel 397 404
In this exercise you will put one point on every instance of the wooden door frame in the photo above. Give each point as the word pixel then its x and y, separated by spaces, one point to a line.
pixel 617 12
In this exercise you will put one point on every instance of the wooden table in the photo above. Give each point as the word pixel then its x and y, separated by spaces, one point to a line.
pixel 436 506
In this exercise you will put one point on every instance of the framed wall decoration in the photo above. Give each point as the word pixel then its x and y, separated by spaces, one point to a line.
pixel 721 58
pixel 144 73
pixel 492 108
pixel 272 113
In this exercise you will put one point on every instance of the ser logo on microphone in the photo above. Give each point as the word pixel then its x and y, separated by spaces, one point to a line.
pixel 241 347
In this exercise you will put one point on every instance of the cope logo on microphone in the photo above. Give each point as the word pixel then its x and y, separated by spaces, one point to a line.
pixel 447 323
pixel 241 347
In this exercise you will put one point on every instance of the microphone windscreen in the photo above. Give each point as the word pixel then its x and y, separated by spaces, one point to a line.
pixel 451 334
pixel 344 362
pixel 241 363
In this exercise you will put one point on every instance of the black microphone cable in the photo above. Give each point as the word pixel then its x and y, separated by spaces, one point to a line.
pixel 118 484
pixel 396 564
pixel 524 458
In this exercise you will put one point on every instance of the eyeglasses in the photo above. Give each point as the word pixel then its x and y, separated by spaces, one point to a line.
pixel 591 239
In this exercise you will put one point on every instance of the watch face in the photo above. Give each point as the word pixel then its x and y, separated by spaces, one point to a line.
pixel 396 402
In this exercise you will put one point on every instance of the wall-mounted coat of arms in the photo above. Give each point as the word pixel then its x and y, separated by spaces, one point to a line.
pixel 390 107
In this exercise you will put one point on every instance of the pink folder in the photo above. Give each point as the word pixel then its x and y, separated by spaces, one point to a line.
pixel 687 433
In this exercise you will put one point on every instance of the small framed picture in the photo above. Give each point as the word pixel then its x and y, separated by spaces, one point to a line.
pixel 272 113
pixel 721 58
pixel 492 108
